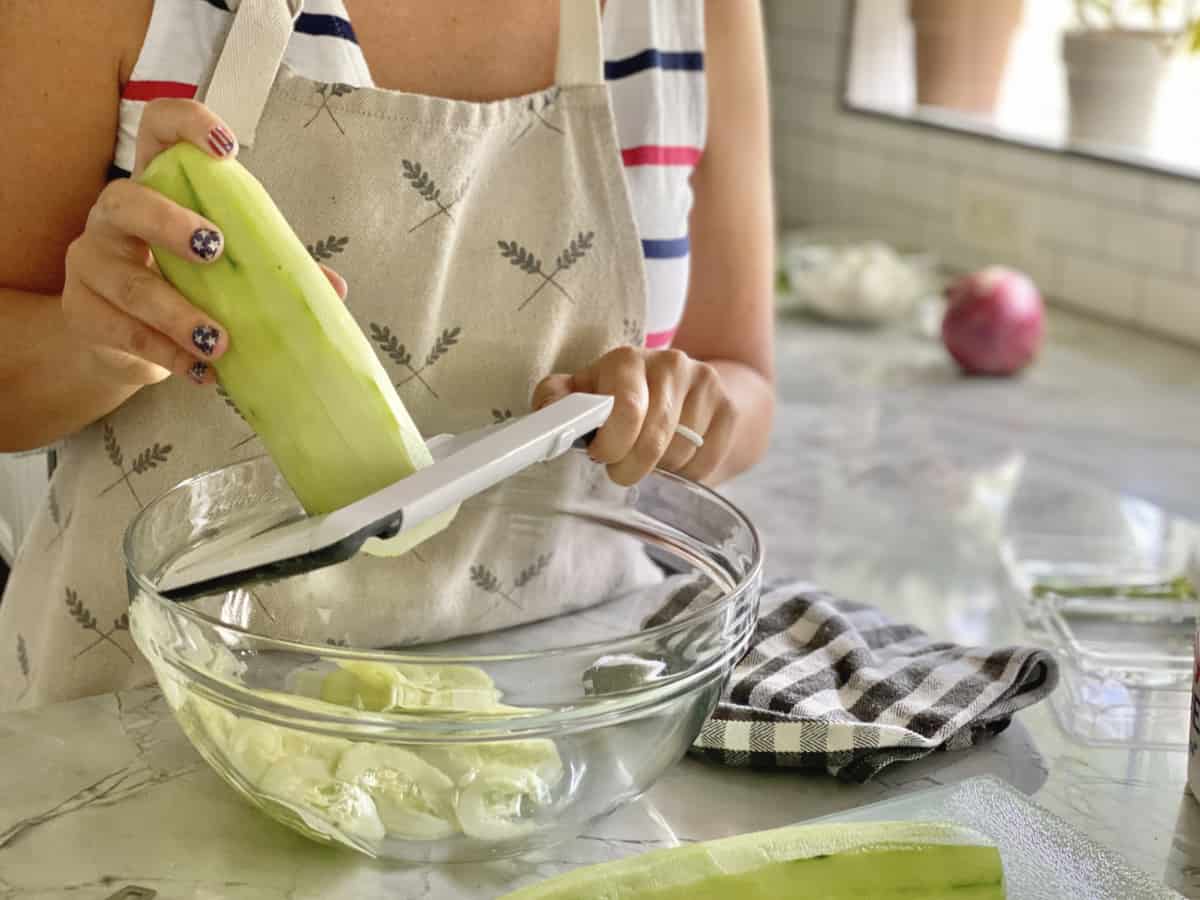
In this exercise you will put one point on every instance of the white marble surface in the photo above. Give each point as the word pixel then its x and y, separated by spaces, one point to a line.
pixel 891 480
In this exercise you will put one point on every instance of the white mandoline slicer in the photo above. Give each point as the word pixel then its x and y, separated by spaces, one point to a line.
pixel 464 465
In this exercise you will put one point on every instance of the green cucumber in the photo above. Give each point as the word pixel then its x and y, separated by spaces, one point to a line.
pixel 918 860
pixel 298 368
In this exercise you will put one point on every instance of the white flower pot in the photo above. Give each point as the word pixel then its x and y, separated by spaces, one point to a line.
pixel 1113 81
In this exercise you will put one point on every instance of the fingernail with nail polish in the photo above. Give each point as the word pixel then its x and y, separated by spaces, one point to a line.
pixel 220 141
pixel 205 337
pixel 198 371
pixel 206 243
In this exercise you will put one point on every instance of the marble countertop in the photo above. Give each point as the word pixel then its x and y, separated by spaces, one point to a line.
pixel 890 480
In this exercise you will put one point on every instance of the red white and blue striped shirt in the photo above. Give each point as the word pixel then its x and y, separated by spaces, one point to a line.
pixel 654 66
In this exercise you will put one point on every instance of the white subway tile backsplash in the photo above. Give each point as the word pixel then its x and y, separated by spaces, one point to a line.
pixel 1044 265
pixel 992 157
pixel 938 237
pixel 1018 163
pixel 807 202
pixel 825 16
pixel 967 258
pixel 880 217
pixel 862 169
pixel 945 241
pixel 810 58
pixel 993 214
pixel 804 108
pixel 950 147
pixel 806 155
pixel 881 135
pixel 925 187
pixel 1068 221
pixel 1113 184
pixel 1174 197
pixel 1099 287
pixel 1146 242
pixel 1172 308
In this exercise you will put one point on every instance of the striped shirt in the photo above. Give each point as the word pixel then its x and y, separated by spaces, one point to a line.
pixel 654 66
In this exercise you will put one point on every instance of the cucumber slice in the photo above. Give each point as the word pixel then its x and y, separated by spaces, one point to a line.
pixel 381 687
pixel 306 785
pixel 495 802
pixel 414 800
pixel 462 761
pixel 364 790
pixel 370 686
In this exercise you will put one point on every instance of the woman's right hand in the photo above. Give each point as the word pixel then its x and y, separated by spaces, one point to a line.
pixel 138 327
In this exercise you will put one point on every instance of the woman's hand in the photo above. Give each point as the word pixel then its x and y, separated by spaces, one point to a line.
pixel 654 392
pixel 139 328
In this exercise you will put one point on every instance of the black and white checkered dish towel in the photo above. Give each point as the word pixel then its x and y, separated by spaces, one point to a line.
pixel 832 685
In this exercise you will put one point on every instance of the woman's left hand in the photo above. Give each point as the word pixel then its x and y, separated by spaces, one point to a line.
pixel 654 392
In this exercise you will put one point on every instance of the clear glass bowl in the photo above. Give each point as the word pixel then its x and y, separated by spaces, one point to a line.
pixel 452 748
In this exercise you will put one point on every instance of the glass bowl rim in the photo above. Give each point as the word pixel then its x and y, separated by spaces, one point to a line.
pixel 383 727
pixel 331 651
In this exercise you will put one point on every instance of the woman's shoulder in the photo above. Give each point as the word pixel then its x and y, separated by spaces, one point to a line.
pixel 72 36
pixel 62 73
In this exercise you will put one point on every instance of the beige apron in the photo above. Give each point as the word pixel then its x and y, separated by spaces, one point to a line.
pixel 486 245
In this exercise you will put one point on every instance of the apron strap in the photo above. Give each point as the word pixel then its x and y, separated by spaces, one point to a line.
pixel 246 68
pixel 580 50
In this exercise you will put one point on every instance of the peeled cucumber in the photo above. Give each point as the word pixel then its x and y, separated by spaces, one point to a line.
pixel 298 367
pixel 918 860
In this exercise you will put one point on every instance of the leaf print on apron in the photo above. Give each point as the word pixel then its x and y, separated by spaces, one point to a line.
pixel 487 245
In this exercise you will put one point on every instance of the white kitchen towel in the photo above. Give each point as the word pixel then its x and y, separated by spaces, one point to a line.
pixel 833 685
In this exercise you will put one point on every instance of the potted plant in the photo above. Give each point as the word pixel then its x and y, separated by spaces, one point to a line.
pixel 962 49
pixel 1116 58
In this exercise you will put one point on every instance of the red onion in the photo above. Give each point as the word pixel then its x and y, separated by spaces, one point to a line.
pixel 995 321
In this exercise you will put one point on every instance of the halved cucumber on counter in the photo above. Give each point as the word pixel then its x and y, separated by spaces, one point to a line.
pixel 298 367
pixel 924 860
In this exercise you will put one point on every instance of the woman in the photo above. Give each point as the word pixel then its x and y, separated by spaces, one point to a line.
pixel 499 252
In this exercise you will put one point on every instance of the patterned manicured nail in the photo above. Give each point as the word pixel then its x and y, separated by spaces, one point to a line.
pixel 205 337
pixel 206 243
pixel 220 141
pixel 198 371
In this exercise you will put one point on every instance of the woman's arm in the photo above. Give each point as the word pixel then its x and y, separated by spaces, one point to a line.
pixel 50 383
pixel 729 318
pixel 88 319
pixel 718 379
pixel 61 80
